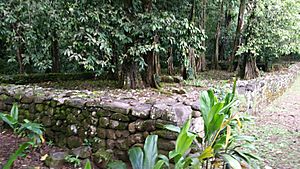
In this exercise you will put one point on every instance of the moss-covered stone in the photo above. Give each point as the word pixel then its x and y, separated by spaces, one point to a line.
pixel 46 121
pixel 103 122
pixel 103 113
pixel 71 119
pixel 113 124
pixel 101 133
pixel 147 125
pixel 39 107
pixel 102 157
pixel 73 142
pixel 120 117
pixel 165 134
pixel 53 103
pixel 3 97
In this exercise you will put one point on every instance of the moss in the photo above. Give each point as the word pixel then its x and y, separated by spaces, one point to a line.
pixel 39 107
pixel 120 117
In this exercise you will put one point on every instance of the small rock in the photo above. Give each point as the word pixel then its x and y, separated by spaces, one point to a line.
pixel 56 159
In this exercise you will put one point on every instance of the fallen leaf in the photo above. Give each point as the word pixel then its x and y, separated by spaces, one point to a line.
pixel 43 158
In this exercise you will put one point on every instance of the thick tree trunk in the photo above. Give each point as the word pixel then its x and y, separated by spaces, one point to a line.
pixel 215 59
pixel 200 61
pixel 251 70
pixel 130 76
pixel 55 53
pixel 237 39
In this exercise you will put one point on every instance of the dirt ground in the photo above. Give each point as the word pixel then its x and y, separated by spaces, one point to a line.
pixel 277 129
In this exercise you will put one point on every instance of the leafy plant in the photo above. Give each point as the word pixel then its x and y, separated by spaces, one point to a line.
pixel 12 118
pixel 33 131
pixel 147 158
pixel 221 141
pixel 73 160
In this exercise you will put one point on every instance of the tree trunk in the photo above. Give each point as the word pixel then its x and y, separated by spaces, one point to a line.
pixel 189 68
pixel 20 53
pixel 55 53
pixel 170 62
pixel 237 39
pixel 224 42
pixel 200 61
pixel 215 59
pixel 130 75
pixel 251 70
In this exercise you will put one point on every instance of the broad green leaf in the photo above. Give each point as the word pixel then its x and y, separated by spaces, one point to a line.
pixel 14 112
pixel 136 157
pixel 235 164
pixel 150 151
pixel 184 139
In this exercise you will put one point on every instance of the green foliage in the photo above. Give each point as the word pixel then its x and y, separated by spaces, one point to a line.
pixel 33 131
pixel 73 160
pixel 88 165
pixel 116 164
pixel 12 118
pixel 146 158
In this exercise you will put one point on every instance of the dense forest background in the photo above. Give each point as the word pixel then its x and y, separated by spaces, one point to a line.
pixel 135 41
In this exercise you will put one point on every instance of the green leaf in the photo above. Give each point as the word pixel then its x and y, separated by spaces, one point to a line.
pixel 9 120
pixel 14 112
pixel 88 165
pixel 159 164
pixel 172 128
pixel 235 164
pixel 184 139
pixel 136 157
pixel 150 151
pixel 207 153
pixel 16 154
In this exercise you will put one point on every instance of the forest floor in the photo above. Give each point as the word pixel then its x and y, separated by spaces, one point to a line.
pixel 277 129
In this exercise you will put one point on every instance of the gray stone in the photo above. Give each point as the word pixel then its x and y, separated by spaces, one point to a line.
pixel 82 152
pixel 27 99
pixel 141 111
pixel 182 113
pixel 117 107
pixel 56 159
pixel 158 110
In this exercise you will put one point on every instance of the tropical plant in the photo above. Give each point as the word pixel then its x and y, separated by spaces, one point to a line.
pixel 147 158
pixel 33 131
pixel 221 144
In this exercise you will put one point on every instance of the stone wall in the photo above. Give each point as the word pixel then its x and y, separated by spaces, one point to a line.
pixel 72 117
pixel 113 120
pixel 256 94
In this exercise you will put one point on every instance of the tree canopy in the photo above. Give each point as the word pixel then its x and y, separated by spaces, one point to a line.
pixel 132 40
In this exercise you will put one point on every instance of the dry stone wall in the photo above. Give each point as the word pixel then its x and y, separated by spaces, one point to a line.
pixel 72 118
pixel 75 117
